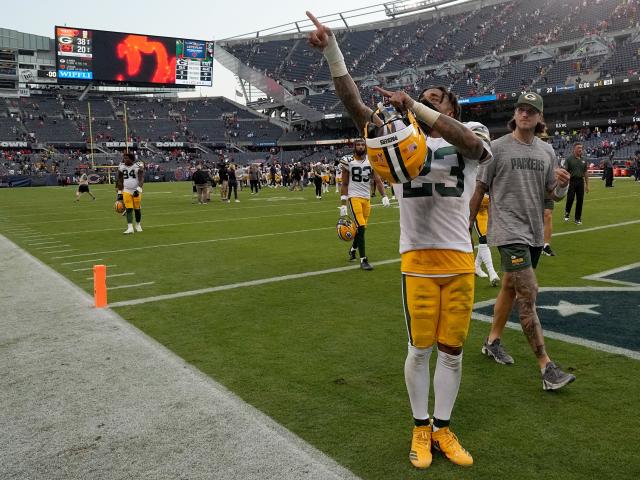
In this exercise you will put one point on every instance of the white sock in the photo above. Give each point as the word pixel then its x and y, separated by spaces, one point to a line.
pixel 417 379
pixel 484 252
pixel 446 383
pixel 478 261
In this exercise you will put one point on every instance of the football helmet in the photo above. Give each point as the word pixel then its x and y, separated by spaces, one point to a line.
pixel 346 229
pixel 119 207
pixel 397 149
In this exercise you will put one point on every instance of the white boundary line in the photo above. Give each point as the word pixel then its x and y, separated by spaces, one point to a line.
pixel 561 336
pixel 213 240
pixel 250 283
pixel 133 285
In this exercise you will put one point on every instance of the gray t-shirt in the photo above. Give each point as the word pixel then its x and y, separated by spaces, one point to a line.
pixel 518 176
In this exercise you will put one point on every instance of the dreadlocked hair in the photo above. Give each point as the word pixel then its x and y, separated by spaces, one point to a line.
pixel 452 97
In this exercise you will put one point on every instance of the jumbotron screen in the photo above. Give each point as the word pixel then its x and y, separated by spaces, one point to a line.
pixel 97 55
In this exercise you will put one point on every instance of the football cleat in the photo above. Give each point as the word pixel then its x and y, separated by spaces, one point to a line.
pixel 445 441
pixel 420 455
pixel 346 229
pixel 119 207
pixel 129 230
pixel 364 264
pixel 548 251
pixel 352 254
pixel 398 148
pixel 138 228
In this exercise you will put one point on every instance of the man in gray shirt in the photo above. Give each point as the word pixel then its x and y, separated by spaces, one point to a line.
pixel 517 178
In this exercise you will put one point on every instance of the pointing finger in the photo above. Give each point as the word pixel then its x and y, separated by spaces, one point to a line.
pixel 383 92
pixel 313 19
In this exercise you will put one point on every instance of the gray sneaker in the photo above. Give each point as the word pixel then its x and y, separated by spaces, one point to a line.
pixel 496 351
pixel 553 378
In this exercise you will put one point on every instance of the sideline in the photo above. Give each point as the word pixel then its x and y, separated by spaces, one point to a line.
pixel 85 394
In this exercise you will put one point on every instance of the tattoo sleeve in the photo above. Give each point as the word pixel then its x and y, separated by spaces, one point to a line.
pixel 460 136
pixel 526 288
pixel 347 92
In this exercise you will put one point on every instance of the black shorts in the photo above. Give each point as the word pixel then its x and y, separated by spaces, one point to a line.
pixel 83 188
pixel 517 256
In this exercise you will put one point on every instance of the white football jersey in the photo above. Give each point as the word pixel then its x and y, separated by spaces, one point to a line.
pixel 434 207
pixel 360 176
pixel 130 174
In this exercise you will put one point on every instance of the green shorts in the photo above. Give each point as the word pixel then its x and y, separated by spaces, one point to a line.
pixel 548 203
pixel 517 256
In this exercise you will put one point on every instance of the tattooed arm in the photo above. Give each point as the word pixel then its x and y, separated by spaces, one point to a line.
pixel 323 39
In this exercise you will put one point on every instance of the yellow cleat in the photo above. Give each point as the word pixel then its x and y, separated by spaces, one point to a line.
pixel 420 454
pixel 446 441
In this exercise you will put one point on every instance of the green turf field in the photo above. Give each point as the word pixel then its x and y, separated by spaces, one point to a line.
pixel 323 354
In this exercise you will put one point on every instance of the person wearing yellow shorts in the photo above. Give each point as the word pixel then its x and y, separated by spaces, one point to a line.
pixel 129 186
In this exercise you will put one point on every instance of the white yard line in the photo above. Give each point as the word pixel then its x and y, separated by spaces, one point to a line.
pixel 126 274
pixel 250 283
pixel 199 222
pixel 593 229
pixel 62 251
pixel 33 244
pixel 130 286
pixel 52 246
pixel 213 240
pixel 90 268
pixel 82 261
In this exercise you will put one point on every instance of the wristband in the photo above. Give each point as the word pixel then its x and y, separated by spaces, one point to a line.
pixel 424 113
pixel 139 189
pixel 334 58
pixel 343 198
pixel 561 192
pixel 119 192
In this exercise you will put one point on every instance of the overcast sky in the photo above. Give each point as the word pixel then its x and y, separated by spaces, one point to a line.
pixel 197 19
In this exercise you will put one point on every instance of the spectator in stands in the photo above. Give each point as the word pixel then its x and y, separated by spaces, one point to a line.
pixel 233 184
pixel 200 179
pixel 579 183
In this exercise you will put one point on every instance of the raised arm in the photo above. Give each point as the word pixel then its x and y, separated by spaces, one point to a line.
pixel 323 39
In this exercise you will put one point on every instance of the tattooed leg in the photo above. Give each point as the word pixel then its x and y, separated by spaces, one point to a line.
pixel 502 308
pixel 526 287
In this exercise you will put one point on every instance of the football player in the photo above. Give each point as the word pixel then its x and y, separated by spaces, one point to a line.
pixel 83 186
pixel 356 177
pixel 437 254
pixel 338 175
pixel 484 252
pixel 129 186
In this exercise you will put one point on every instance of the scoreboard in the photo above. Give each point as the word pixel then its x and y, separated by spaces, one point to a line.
pixel 96 55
